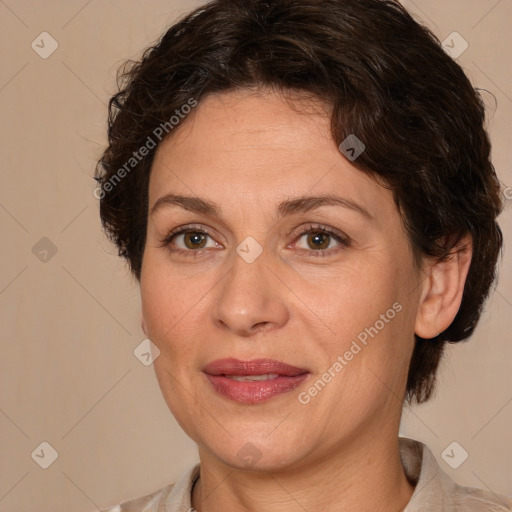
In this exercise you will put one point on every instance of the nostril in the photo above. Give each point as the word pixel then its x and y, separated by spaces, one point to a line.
pixel 260 326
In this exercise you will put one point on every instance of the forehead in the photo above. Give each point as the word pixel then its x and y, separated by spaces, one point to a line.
pixel 257 145
pixel 249 121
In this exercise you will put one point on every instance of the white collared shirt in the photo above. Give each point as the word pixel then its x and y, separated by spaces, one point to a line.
pixel 434 489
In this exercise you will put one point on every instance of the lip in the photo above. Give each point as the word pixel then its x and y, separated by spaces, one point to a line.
pixel 253 367
pixel 218 372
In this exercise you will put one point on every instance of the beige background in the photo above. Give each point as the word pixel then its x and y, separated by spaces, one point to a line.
pixel 70 324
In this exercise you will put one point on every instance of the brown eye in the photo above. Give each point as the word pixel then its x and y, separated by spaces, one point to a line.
pixel 189 241
pixel 194 239
pixel 318 240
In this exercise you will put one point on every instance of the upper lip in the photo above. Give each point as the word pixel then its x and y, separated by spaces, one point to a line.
pixel 252 367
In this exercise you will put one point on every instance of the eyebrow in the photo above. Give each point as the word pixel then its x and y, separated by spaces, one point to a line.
pixel 290 206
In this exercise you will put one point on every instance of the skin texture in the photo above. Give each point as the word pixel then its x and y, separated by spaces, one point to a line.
pixel 247 151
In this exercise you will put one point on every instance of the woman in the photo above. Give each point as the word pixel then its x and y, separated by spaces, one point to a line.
pixel 304 192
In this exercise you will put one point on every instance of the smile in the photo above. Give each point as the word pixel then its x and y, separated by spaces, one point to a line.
pixel 255 381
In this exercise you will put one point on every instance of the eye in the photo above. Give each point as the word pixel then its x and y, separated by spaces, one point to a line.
pixel 319 240
pixel 189 240
pixel 192 240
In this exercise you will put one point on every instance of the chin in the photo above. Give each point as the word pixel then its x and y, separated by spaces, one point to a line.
pixel 253 458
pixel 253 451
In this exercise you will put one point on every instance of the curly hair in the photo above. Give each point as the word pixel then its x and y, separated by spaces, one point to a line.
pixel 386 78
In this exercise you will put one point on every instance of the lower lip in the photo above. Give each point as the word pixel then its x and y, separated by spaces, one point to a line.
pixel 256 391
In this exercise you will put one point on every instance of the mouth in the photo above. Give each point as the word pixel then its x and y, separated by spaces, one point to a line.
pixel 253 381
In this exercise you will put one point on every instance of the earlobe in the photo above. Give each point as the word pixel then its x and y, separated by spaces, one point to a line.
pixel 442 291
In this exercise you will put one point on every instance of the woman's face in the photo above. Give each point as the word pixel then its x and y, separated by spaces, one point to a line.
pixel 264 273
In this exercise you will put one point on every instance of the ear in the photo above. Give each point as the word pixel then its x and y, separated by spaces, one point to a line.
pixel 442 290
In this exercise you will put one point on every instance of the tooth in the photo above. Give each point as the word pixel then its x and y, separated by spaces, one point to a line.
pixel 251 378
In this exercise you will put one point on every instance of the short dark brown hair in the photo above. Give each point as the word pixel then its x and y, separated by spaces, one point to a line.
pixel 388 81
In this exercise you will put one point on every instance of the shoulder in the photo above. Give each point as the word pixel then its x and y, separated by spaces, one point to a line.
pixel 435 490
pixel 148 503
pixel 472 499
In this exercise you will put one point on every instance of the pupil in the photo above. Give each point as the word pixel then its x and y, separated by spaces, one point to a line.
pixel 194 238
pixel 315 237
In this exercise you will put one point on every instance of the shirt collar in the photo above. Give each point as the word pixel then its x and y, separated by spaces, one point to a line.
pixel 434 489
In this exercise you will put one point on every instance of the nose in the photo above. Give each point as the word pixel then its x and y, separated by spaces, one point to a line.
pixel 250 298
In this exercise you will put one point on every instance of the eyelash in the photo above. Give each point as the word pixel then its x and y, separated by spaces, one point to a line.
pixel 310 228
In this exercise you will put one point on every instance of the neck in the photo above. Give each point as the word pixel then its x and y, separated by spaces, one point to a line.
pixel 359 476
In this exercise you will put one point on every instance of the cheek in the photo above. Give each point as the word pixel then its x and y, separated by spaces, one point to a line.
pixel 175 392
pixel 169 300
pixel 349 300
pixel 367 321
